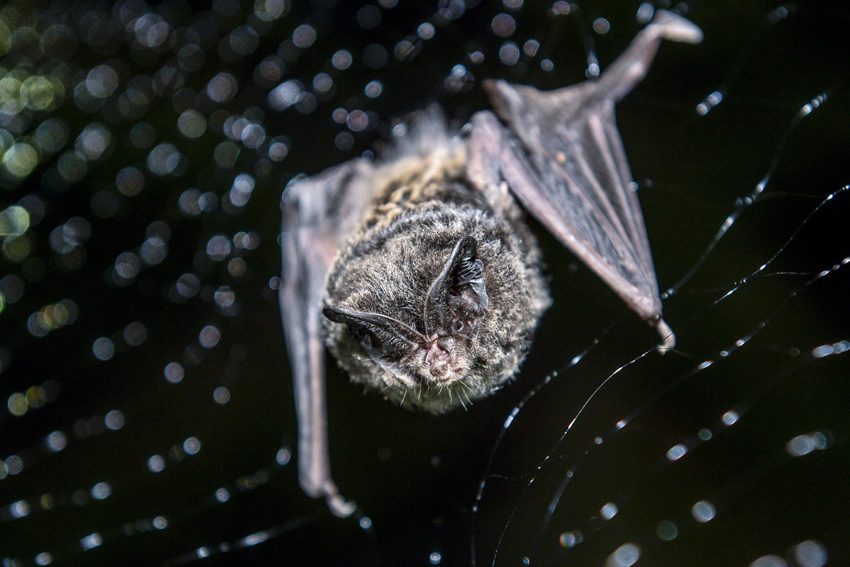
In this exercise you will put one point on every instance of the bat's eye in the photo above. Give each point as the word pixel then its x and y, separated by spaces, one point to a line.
pixel 458 290
pixel 458 325
pixel 367 339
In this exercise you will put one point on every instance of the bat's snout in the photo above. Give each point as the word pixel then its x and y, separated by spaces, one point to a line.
pixel 439 364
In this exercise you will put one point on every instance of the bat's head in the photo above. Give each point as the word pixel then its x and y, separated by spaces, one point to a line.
pixel 436 313
pixel 436 347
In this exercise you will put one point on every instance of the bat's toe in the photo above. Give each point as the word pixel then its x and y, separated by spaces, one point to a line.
pixel 668 337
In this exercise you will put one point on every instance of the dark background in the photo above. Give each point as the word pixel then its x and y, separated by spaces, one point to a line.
pixel 416 477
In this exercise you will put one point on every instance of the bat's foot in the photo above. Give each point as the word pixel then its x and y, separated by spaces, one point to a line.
pixel 339 506
pixel 668 337
pixel 326 488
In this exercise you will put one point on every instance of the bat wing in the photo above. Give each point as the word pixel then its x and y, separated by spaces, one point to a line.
pixel 319 213
pixel 564 160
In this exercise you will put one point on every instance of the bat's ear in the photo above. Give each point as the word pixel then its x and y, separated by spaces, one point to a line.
pixel 457 301
pixel 376 333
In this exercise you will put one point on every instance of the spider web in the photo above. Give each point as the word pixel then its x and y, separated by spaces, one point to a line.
pixel 148 413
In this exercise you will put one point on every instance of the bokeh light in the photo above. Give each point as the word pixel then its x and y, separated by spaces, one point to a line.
pixel 143 150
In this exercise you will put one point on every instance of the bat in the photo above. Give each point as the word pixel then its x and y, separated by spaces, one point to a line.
pixel 420 274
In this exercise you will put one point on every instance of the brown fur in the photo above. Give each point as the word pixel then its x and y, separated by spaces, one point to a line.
pixel 422 206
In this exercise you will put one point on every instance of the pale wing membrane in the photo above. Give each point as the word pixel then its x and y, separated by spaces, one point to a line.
pixel 319 213
pixel 569 169
pixel 576 190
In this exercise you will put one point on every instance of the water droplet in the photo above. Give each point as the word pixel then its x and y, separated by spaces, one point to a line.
pixel 221 395
pixel 218 247
pixel 103 348
pixel 509 53
pixel 676 452
pixel 503 25
pixel 222 88
pixel 209 336
pixel 14 221
pixel 601 26
pixel 368 17
pixel 730 418
pixel 101 491
pixel 283 456
pixel 624 556
pixel 667 530
pixel 91 541
pixel 191 445
pixel 608 511
pixel 156 463
pixel 56 441
pixel 373 89
pixel 425 31
pixel 703 511
pixel 769 561
pixel 810 553
pixel 114 420
pixel 304 36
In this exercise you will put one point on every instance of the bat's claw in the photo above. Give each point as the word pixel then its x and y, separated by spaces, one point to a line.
pixel 339 506
pixel 668 337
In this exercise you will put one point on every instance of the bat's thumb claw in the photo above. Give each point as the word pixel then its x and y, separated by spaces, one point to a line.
pixel 668 337
pixel 674 27
pixel 339 506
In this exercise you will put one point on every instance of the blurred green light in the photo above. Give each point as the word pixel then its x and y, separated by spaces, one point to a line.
pixel 14 221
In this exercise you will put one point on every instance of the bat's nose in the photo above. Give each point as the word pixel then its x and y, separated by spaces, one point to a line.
pixel 437 361
pixel 436 355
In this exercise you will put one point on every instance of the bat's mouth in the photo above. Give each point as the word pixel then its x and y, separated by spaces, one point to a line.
pixel 439 363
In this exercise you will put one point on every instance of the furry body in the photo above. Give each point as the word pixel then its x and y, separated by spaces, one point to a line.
pixel 422 205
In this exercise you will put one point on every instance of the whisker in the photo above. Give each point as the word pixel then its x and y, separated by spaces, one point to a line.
pixel 467 400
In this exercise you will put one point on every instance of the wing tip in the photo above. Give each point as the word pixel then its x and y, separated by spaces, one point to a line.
pixel 672 26
pixel 503 96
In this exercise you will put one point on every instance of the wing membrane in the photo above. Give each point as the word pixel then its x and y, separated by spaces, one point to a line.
pixel 564 160
pixel 319 213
